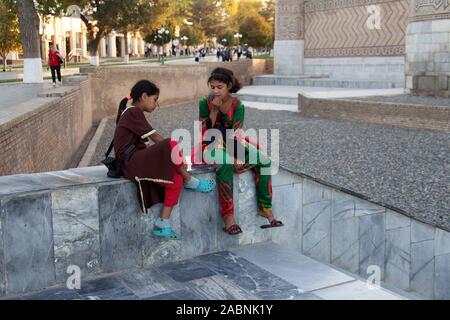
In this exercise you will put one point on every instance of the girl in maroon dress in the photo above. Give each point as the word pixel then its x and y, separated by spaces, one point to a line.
pixel 158 170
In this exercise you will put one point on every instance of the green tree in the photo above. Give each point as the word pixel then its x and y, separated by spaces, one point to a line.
pixel 208 15
pixel 102 17
pixel 9 30
pixel 256 31
pixel 195 35
pixel 268 12
pixel 228 35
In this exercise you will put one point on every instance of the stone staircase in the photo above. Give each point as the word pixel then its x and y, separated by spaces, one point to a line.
pixel 273 92
pixel 325 81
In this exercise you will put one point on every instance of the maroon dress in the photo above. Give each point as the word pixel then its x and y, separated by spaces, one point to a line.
pixel 146 164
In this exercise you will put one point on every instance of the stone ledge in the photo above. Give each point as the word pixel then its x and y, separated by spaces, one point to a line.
pixel 387 113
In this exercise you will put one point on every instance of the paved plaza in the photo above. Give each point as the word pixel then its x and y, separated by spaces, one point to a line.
pixel 247 273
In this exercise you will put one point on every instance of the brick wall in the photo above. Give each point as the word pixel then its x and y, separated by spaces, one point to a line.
pixel 403 115
pixel 47 138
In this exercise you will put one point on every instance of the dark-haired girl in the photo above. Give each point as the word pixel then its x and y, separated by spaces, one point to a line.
pixel 158 170
pixel 219 110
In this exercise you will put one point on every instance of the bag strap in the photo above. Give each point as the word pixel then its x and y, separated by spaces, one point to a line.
pixel 127 151
pixel 109 149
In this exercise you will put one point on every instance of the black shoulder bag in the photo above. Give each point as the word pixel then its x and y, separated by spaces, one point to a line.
pixel 114 164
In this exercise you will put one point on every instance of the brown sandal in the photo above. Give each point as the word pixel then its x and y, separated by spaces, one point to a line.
pixel 233 229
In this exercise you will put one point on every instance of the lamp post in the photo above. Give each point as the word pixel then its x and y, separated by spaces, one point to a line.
pixel 224 41
pixel 162 33
pixel 237 36
pixel 184 39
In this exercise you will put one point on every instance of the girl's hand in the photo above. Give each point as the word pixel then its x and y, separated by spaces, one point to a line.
pixel 217 103
pixel 239 166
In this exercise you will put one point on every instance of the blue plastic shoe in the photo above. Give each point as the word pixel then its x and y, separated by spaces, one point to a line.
pixel 205 186
pixel 167 233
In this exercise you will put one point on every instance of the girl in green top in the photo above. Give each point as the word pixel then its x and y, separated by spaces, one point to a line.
pixel 223 112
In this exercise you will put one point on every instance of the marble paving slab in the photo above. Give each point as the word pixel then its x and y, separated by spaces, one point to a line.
pixel 303 272
pixel 356 290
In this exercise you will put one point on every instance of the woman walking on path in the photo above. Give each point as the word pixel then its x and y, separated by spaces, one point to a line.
pixel 54 62
pixel 158 170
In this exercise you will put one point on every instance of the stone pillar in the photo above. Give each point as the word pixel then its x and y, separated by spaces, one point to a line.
pixel 134 45
pixel 112 52
pixel 102 48
pixel 73 40
pixel 427 63
pixel 122 46
pixel 289 37
pixel 141 46
pixel 83 43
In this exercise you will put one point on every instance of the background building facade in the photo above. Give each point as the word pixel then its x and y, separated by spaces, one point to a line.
pixel 362 39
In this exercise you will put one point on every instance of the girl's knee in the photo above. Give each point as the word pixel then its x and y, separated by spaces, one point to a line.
pixel 265 163
pixel 225 168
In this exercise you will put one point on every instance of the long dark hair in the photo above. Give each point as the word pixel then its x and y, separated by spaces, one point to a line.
pixel 142 86
pixel 226 76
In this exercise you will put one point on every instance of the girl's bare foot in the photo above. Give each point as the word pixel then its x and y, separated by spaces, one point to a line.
pixel 266 214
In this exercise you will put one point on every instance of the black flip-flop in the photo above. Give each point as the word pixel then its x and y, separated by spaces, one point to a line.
pixel 274 224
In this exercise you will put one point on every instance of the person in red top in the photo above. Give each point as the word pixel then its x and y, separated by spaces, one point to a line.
pixel 54 62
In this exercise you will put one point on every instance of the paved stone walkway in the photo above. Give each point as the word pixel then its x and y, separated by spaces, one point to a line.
pixel 16 93
pixel 19 74
pixel 264 271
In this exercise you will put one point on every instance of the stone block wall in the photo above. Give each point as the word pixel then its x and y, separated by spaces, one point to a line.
pixel 428 57
pixel 335 227
pixel 386 68
pixel 49 221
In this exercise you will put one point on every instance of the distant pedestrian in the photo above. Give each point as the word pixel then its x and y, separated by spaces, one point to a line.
pixel 218 54
pixel 197 56
pixel 54 61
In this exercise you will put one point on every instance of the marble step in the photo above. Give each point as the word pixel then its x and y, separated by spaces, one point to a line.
pixel 320 81
pixel 270 106
pixel 272 99
pixel 311 276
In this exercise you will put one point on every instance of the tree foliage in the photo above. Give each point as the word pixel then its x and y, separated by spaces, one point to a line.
pixel 9 30
pixel 256 31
